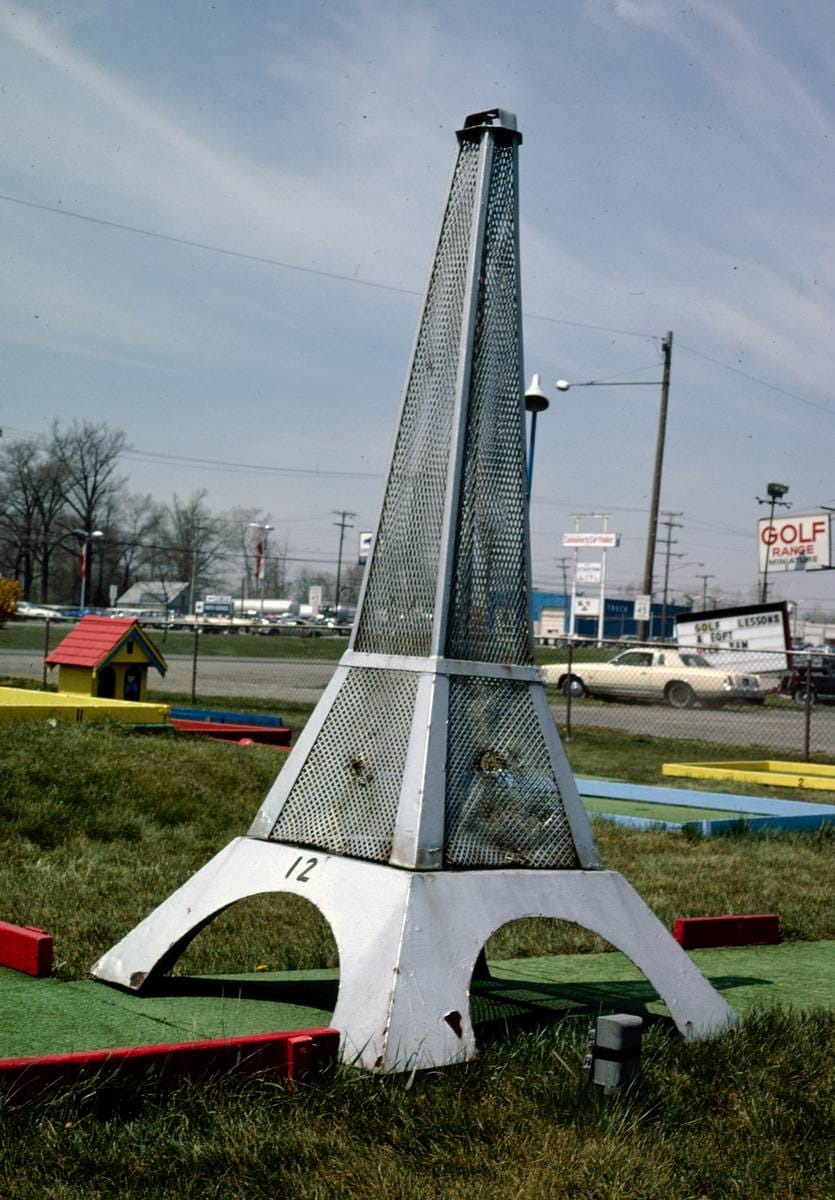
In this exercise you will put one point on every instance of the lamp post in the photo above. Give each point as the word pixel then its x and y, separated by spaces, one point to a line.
pixel 704 579
pixel 664 382
pixel 535 402
pixel 775 491
pixel 85 537
pixel 261 560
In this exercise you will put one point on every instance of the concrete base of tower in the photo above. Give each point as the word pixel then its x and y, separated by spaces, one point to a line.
pixel 408 941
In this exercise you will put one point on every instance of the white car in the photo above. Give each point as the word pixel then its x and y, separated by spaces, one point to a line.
pixel 680 678
pixel 37 612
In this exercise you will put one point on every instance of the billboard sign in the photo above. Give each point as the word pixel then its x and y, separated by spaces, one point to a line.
pixel 795 543
pixel 752 638
pixel 314 598
pixel 605 541
pixel 589 572
pixel 217 606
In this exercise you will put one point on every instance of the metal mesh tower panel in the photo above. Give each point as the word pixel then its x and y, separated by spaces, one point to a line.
pixel 489 604
pixel 504 806
pixel 346 795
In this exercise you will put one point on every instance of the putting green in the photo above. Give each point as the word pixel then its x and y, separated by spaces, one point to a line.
pixel 44 1016
pixel 660 812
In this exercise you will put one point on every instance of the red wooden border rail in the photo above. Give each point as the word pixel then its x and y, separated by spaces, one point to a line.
pixel 755 929
pixel 25 948
pixel 277 737
pixel 286 1055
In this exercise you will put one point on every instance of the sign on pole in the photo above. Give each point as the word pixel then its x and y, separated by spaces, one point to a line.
pixel 587 606
pixel 795 543
pixel 604 540
pixel 216 606
pixel 641 608
pixel 365 548
pixel 589 572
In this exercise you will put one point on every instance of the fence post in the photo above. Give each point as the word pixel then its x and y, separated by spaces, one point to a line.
pixel 568 692
pixel 194 662
pixel 807 714
pixel 45 653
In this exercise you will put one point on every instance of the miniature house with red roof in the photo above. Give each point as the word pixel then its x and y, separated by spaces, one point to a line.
pixel 106 657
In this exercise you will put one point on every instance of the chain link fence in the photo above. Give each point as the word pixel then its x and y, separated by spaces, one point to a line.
pixel 776 704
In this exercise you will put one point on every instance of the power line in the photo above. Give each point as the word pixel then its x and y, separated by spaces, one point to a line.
pixel 283 264
pixel 755 379
pixel 181 241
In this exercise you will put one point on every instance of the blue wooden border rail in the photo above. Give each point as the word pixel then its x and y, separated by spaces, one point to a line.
pixel 769 813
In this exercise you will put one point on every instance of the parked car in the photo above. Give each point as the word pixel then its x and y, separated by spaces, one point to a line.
pixel 819 683
pixel 37 612
pixel 680 678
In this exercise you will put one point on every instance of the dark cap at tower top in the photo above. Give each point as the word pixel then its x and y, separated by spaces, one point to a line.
pixel 491 118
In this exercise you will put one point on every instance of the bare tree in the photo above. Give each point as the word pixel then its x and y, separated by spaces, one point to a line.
pixel 89 455
pixel 137 545
pixel 33 520
pixel 195 545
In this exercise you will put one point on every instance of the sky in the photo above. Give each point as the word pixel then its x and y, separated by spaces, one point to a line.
pixel 293 160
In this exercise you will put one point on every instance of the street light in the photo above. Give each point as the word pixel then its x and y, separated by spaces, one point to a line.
pixel 85 537
pixel 776 491
pixel 261 561
pixel 667 348
pixel 535 402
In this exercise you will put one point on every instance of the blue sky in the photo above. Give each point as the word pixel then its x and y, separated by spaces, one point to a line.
pixel 676 173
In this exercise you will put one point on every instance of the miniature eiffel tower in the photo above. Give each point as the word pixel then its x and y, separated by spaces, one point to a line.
pixel 428 801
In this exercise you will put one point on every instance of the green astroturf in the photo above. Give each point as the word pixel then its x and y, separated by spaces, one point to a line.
pixel 44 1016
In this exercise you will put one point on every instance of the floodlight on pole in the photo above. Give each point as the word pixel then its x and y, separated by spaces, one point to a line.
pixel 776 492
pixel 535 402
pixel 85 537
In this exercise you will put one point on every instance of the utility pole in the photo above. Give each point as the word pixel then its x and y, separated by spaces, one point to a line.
pixel 649 565
pixel 704 579
pixel 669 542
pixel 563 563
pixel 342 524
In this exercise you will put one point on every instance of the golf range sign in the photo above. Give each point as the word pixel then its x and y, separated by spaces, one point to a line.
pixel 795 543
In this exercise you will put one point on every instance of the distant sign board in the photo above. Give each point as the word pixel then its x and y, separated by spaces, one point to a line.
pixel 752 638
pixel 589 572
pixel 314 598
pixel 795 543
pixel 365 548
pixel 604 540
pixel 586 606
pixel 216 606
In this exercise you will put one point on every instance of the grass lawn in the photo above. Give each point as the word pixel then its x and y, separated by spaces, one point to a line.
pixel 99 825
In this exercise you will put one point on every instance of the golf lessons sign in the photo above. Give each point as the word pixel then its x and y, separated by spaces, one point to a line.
pixel 752 638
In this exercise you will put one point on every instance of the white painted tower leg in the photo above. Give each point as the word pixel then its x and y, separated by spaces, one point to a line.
pixel 408 941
